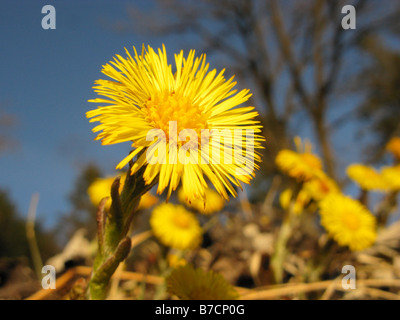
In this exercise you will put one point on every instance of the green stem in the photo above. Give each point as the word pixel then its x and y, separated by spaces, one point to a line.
pixel 112 229
pixel 99 282
pixel 317 267
pixel 280 252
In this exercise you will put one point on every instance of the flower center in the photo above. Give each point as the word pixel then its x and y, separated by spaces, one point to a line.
pixel 181 220
pixel 350 221
pixel 164 107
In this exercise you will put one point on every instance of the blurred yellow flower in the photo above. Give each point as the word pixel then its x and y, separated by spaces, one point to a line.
pixel 302 200
pixel 348 222
pixel 320 186
pixel 188 283
pixel 394 147
pixel 175 227
pixel 314 189
pixel 212 203
pixel 145 95
pixel 302 166
pixel 101 188
pixel 392 177
pixel 147 200
pixel 174 260
pixel 366 177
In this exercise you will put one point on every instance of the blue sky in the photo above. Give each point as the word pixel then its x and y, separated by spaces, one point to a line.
pixel 46 79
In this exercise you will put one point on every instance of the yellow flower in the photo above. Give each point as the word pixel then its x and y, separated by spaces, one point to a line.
pixel 348 222
pixel 188 283
pixel 101 188
pixel 174 260
pixel 149 105
pixel 147 200
pixel 212 202
pixel 302 166
pixel 394 147
pixel 176 227
pixel 320 186
pixel 392 177
pixel 302 200
pixel 367 177
pixel 315 189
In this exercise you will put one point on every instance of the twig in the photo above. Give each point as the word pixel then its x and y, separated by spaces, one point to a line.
pixel 123 275
pixel 31 236
pixel 377 293
pixel 291 289
pixel 61 282
pixel 270 292
pixel 330 290
pixel 139 238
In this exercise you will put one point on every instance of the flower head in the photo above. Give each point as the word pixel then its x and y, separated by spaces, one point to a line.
pixel 101 188
pixel 320 186
pixel 392 177
pixel 147 201
pixel 367 177
pixel 348 222
pixel 189 283
pixel 301 166
pixel 212 202
pixel 176 120
pixel 394 147
pixel 175 227
pixel 175 260
pixel 315 189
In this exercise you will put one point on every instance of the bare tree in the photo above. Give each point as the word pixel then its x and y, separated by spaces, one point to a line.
pixel 382 78
pixel 294 54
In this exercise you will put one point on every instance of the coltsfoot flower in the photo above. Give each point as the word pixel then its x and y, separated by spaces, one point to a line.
pixel 101 188
pixel 392 177
pixel 348 222
pixel 302 166
pixel 178 122
pixel 189 283
pixel 367 177
pixel 176 227
pixel 320 186
pixel 394 147
pixel 212 202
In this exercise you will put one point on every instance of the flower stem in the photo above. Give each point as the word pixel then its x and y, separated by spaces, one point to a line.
pixel 280 252
pixel 112 228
